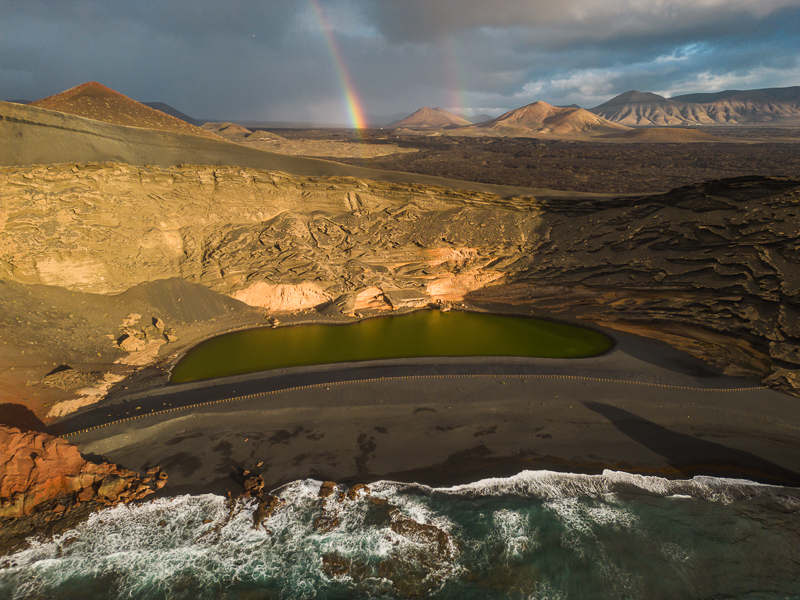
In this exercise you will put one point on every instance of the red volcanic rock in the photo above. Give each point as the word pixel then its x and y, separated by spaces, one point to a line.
pixel 37 469
pixel 93 100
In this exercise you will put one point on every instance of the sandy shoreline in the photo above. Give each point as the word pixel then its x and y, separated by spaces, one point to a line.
pixel 641 407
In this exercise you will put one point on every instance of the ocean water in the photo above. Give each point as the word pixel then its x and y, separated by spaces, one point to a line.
pixel 536 535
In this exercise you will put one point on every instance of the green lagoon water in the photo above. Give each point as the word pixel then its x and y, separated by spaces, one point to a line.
pixel 420 334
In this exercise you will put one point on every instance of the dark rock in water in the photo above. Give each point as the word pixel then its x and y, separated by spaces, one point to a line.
pixel 326 489
pixel 357 489
pixel 267 505
pixel 416 568
pixel 334 565
pixel 326 523
pixel 421 533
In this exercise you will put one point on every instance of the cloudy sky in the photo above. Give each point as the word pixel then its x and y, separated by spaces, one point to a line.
pixel 324 60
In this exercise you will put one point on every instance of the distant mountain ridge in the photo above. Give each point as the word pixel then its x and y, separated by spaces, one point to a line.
pixel 481 118
pixel 543 119
pixel 173 112
pixel 770 106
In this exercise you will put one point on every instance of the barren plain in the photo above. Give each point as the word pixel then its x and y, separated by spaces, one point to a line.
pixel 601 165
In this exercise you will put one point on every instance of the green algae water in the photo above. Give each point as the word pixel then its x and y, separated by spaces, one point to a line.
pixel 420 334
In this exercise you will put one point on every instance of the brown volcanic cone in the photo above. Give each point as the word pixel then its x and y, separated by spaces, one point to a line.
pixel 541 119
pixel 431 118
pixel 230 131
pixel 93 100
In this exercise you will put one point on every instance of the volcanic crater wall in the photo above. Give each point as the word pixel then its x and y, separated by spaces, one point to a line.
pixel 103 228
pixel 723 256
pixel 712 268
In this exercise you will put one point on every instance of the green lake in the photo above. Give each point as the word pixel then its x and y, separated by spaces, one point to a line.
pixel 418 334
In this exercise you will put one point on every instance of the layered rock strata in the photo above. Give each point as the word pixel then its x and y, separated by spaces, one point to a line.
pixel 104 228
pixel 716 263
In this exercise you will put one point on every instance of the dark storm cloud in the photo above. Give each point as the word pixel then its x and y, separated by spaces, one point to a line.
pixel 557 21
pixel 251 59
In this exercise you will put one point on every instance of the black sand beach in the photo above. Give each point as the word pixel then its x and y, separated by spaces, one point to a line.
pixel 642 407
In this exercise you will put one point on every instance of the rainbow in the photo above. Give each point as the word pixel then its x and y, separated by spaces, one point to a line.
pixel 354 109
pixel 452 76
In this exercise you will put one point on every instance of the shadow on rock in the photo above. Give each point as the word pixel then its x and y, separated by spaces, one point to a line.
pixel 21 417
pixel 692 456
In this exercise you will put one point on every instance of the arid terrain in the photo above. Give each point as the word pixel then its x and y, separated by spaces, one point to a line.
pixel 774 106
pixel 597 166
pixel 121 247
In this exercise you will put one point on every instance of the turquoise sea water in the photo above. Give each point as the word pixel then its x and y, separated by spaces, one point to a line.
pixel 535 535
pixel 422 333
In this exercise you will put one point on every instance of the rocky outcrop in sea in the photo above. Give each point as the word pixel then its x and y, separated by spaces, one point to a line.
pixel 46 485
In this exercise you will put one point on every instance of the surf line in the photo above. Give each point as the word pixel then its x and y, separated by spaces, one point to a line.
pixel 328 385
pixel 356 112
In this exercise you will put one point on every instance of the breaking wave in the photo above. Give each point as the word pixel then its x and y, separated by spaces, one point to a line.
pixel 535 535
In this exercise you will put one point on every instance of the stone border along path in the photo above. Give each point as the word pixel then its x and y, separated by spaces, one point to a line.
pixel 474 375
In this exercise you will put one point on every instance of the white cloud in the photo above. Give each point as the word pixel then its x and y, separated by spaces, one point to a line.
pixel 684 52
pixel 707 81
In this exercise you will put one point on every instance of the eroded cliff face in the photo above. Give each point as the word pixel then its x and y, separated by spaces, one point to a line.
pixel 103 228
pixel 721 256
pixel 713 269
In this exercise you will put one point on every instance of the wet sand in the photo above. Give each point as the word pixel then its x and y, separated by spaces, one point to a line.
pixel 642 407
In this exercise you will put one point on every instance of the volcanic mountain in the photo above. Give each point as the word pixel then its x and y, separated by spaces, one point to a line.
pixel 230 131
pixel 774 106
pixel 541 119
pixel 431 118
pixel 93 100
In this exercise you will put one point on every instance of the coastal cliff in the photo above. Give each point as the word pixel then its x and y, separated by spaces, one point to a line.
pixel 44 478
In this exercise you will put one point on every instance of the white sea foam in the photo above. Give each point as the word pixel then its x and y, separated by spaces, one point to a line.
pixel 513 531
pixel 550 485
pixel 586 518
pixel 675 553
